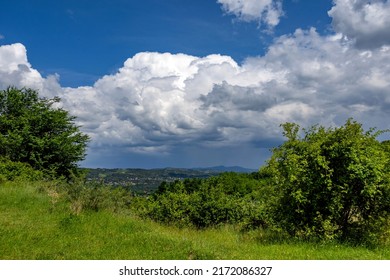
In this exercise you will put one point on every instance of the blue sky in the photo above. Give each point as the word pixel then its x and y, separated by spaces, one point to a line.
pixel 199 83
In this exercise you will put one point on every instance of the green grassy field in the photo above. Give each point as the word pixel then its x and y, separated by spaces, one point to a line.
pixel 36 224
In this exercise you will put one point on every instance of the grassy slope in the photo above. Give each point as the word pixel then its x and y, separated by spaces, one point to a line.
pixel 33 227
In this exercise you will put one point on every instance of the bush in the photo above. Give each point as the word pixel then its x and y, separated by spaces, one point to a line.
pixel 10 171
pixel 171 208
pixel 229 198
pixel 331 183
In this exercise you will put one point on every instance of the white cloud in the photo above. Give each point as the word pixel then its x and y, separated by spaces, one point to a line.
pixel 158 101
pixel 15 70
pixel 267 12
pixel 365 22
pixel 1 37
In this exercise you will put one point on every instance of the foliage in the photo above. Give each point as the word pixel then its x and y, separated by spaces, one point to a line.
pixel 33 131
pixel 227 198
pixel 16 170
pixel 331 183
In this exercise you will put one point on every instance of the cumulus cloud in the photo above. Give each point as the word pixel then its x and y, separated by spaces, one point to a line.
pixel 159 101
pixel 153 99
pixel 267 12
pixel 15 70
pixel 365 22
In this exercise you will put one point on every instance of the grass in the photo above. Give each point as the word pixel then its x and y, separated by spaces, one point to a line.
pixel 35 225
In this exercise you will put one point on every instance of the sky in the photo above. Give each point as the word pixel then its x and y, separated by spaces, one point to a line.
pixel 185 83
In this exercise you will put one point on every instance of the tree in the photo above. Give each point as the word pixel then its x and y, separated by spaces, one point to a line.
pixel 33 131
pixel 331 183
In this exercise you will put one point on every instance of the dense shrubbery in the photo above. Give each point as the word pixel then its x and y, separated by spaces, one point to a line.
pixel 10 171
pixel 331 183
pixel 229 198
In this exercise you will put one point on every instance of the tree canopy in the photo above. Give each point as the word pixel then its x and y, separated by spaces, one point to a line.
pixel 34 131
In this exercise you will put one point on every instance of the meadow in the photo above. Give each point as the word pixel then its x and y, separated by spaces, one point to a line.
pixel 37 222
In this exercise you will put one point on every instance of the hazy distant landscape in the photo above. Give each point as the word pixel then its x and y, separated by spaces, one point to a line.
pixel 148 180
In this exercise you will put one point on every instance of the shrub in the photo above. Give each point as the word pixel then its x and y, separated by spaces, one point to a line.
pixel 228 198
pixel 331 183
pixel 171 208
pixel 10 171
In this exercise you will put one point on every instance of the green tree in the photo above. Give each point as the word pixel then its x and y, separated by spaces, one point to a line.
pixel 34 131
pixel 331 182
